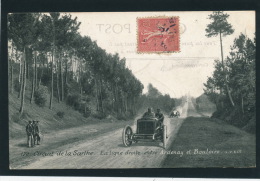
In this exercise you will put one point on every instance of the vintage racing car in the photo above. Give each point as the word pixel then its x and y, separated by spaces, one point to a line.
pixel 147 129
pixel 175 114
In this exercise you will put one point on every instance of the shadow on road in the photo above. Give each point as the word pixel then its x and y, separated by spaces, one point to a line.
pixel 22 145
pixel 156 144
pixel 121 145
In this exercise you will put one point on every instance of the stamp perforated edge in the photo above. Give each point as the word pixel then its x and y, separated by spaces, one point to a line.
pixel 156 52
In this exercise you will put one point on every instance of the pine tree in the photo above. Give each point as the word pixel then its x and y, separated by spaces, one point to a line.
pixel 22 28
pixel 220 26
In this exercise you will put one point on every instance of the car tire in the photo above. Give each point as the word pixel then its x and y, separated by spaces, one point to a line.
pixel 126 136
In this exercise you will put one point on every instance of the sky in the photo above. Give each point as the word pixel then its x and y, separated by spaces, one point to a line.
pixel 175 74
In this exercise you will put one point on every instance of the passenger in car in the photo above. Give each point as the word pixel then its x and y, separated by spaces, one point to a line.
pixel 159 116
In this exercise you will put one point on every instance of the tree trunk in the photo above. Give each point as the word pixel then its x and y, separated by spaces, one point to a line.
pixel 20 74
pixel 79 78
pixel 85 108
pixel 52 60
pixel 27 70
pixel 57 81
pixel 225 73
pixel 114 94
pixel 36 73
pixel 134 105
pixel 113 102
pixel 134 108
pixel 23 83
pixel 117 98
pixel 12 78
pixel 73 64
pixel 242 104
pixel 11 66
pixel 20 68
pixel 71 69
pixel 61 76
pixel 125 102
pixel 80 87
pixel 97 94
pixel 40 79
pixel 120 105
pixel 21 78
pixel 66 73
pixel 33 80
pixel 101 97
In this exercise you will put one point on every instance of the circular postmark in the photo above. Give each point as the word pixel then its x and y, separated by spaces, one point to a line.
pixel 182 28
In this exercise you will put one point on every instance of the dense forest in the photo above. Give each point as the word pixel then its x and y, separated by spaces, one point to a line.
pixel 156 100
pixel 50 59
pixel 232 87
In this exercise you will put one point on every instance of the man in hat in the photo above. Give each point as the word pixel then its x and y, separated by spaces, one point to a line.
pixel 149 113
pixel 29 131
pixel 159 116
pixel 36 133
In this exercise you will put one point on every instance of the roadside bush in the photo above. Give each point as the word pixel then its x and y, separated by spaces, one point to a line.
pixel 87 114
pixel 17 117
pixel 60 114
pixel 40 96
pixel 218 113
pixel 73 100
pixel 122 117
pixel 79 103
pixel 99 115
pixel 236 117
pixel 46 79
pixel 87 111
pixel 251 126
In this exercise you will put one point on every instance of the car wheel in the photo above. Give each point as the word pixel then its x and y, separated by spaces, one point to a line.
pixel 126 136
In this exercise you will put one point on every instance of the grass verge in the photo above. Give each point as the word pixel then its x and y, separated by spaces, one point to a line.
pixel 204 142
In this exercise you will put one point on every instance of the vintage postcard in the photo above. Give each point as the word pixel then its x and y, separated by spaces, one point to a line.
pixel 109 90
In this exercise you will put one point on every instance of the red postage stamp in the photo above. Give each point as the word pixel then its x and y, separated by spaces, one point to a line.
pixel 158 35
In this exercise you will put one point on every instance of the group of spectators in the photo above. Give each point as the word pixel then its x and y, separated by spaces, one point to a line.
pixel 33 133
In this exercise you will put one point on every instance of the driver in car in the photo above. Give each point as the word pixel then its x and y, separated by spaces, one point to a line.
pixel 149 113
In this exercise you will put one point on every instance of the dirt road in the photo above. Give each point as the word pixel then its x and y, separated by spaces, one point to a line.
pixel 103 151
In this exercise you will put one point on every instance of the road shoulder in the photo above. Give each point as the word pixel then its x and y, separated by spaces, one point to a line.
pixel 201 142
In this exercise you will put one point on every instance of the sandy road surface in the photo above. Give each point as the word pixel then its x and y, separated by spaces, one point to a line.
pixel 108 151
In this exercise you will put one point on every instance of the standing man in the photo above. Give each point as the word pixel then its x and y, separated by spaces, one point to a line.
pixel 29 131
pixel 36 133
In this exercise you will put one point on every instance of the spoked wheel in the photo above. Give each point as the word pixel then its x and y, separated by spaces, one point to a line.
pixel 164 136
pixel 126 136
